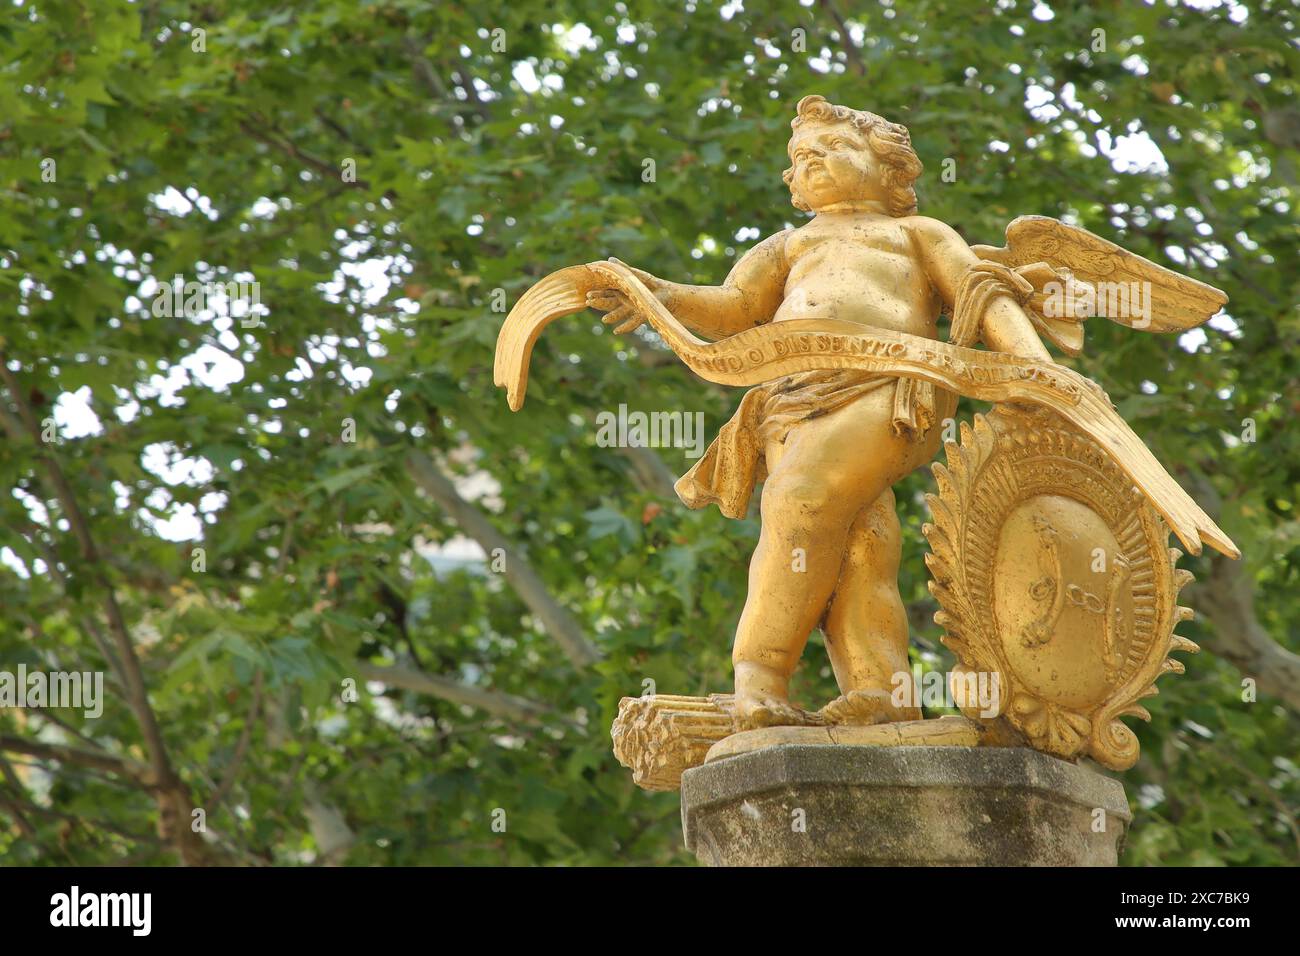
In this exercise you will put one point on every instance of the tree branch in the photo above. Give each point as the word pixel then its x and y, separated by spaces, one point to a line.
pixel 33 535
pixel 1227 598
pixel 241 749
pixel 82 757
pixel 135 689
pixel 649 472
pixel 424 70
pixel 444 688
pixel 170 791
pixel 289 148
pixel 560 624
pixel 843 29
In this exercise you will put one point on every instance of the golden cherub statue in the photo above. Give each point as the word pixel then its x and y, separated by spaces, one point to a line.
pixel 836 324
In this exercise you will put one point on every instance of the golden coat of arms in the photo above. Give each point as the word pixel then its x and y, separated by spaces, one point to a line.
pixel 1054 574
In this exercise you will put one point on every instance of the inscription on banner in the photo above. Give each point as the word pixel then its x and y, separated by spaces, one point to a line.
pixel 891 357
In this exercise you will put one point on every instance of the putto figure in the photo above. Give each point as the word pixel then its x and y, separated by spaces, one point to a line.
pixel 836 323
pixel 832 442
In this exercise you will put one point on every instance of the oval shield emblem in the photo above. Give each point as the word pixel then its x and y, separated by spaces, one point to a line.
pixel 1054 578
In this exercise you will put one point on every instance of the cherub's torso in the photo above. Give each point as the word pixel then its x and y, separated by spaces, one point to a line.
pixel 861 268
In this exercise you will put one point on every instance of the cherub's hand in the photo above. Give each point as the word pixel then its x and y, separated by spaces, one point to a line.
pixel 619 310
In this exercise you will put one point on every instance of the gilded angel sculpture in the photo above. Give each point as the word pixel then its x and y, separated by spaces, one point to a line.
pixel 835 324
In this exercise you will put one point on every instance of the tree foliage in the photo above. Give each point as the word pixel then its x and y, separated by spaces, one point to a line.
pixel 390 174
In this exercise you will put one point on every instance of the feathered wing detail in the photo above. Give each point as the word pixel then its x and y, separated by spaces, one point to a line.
pixel 1170 301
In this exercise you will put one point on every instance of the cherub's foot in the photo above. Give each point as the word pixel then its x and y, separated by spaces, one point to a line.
pixel 767 710
pixel 762 700
pixel 865 707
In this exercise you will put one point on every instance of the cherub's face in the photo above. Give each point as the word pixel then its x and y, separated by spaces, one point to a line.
pixel 833 163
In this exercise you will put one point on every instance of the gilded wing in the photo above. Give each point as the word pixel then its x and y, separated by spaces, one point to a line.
pixel 1173 302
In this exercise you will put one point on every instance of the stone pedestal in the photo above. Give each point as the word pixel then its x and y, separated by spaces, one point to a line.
pixel 801 805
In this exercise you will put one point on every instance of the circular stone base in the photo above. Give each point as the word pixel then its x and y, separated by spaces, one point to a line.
pixel 801 805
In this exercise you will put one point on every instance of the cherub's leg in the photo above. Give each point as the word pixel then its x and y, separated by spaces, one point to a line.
pixel 830 468
pixel 866 624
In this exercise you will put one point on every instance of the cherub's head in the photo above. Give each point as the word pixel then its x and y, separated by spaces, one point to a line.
pixel 839 154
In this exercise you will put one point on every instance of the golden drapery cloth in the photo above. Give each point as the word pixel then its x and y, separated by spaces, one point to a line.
pixel 734 462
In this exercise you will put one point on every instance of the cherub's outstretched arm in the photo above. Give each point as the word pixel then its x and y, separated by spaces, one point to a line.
pixel 749 296
pixel 1005 327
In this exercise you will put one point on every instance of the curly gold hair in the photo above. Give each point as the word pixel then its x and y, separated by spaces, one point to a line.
pixel 891 143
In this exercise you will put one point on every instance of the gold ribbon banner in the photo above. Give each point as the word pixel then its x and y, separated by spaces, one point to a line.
pixel 770 351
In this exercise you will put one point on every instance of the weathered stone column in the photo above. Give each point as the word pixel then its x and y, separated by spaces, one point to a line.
pixel 808 805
